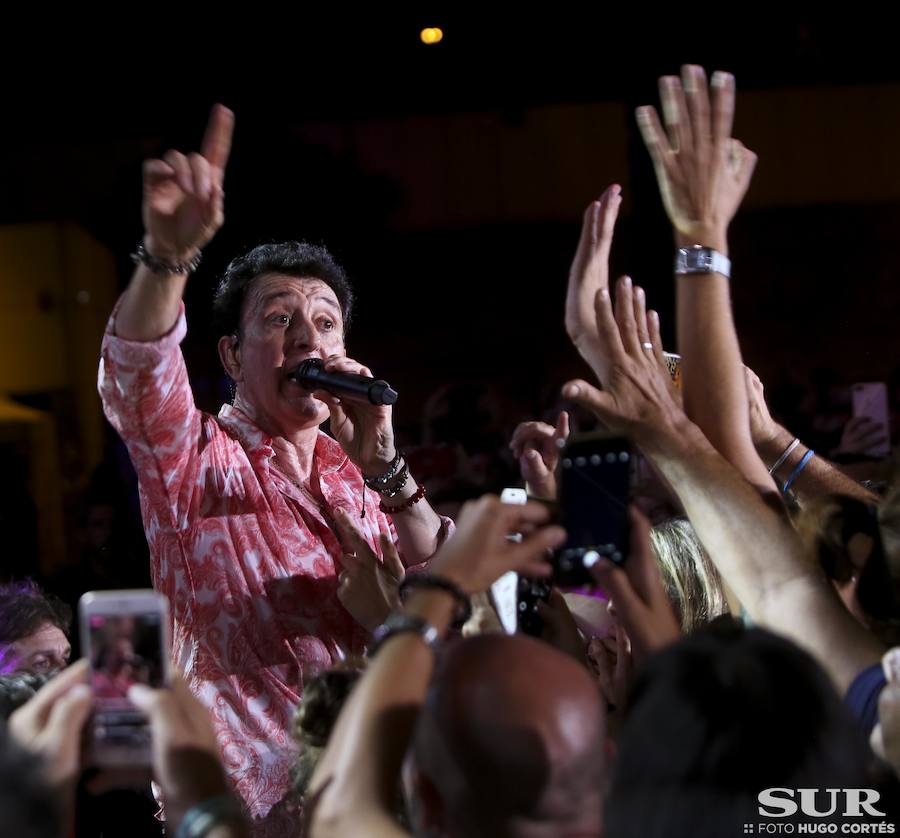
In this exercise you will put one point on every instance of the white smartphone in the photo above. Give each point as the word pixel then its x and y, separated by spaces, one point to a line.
pixel 125 636
pixel 870 399
pixel 505 591
pixel 511 494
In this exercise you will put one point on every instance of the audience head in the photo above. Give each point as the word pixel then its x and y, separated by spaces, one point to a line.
pixel 510 742
pixel 33 629
pixel 715 719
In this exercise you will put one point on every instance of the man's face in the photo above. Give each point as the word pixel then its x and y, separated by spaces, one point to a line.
pixel 44 651
pixel 284 321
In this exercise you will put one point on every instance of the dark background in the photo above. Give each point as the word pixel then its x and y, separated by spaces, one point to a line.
pixel 469 290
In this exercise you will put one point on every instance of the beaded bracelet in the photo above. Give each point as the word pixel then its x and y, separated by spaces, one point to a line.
pixel 410 502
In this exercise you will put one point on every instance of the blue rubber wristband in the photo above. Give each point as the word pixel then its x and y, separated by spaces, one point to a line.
pixel 796 472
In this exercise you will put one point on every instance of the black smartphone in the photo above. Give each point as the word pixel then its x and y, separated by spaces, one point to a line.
pixel 530 593
pixel 595 476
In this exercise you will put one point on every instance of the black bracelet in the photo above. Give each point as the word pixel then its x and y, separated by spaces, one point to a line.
pixel 161 267
pixel 379 482
pixel 399 484
pixel 429 580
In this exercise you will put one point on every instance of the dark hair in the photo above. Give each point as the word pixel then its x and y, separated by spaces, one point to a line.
pixel 323 699
pixel 717 718
pixel 17 688
pixel 24 608
pixel 299 259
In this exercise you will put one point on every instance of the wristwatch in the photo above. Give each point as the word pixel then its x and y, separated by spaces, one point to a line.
pixel 701 260
pixel 398 623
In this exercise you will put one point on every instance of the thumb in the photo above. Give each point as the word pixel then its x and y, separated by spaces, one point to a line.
pixel 586 395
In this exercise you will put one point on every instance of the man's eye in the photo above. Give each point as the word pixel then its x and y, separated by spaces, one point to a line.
pixel 40 665
pixel 326 324
pixel 280 319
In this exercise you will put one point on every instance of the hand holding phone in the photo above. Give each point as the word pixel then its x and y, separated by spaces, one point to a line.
pixel 870 400
pixel 124 635
pixel 594 484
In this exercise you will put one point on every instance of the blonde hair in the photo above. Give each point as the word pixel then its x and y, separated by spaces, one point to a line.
pixel 692 581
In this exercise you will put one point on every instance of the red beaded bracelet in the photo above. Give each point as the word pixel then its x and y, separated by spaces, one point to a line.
pixel 410 502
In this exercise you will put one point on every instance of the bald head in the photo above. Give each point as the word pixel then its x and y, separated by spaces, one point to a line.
pixel 511 739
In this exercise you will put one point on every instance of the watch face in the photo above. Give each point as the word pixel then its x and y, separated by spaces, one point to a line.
pixel 691 260
pixel 703 260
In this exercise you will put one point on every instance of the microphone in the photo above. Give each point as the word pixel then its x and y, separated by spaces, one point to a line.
pixel 311 375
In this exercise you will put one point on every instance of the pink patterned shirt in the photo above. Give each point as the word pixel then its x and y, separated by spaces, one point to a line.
pixel 248 561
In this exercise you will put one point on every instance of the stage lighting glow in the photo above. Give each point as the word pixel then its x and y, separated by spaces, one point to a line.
pixel 432 35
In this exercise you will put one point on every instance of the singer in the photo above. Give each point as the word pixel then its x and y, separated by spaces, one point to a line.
pixel 245 512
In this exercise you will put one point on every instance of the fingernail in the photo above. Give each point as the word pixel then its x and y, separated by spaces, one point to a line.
pixel 571 391
pixel 670 113
pixel 720 79
pixel 690 83
pixel 604 292
pixel 80 691
pixel 138 691
pixel 626 281
pixel 639 291
pixel 642 114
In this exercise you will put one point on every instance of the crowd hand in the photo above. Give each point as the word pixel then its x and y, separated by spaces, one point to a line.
pixel 186 760
pixel 638 399
pixel 368 586
pixel 537 445
pixel 860 435
pixel 183 204
pixel 763 428
pixel 589 273
pixel 702 172
pixel 637 592
pixel 50 724
pixel 479 552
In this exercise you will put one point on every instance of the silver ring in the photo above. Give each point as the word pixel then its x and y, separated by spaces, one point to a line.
pixel 647 345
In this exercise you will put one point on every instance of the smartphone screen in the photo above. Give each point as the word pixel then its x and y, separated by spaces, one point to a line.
pixel 594 485
pixel 125 636
pixel 870 399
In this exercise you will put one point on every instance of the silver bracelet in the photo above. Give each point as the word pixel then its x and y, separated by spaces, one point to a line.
pixel 398 623
pixel 787 453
